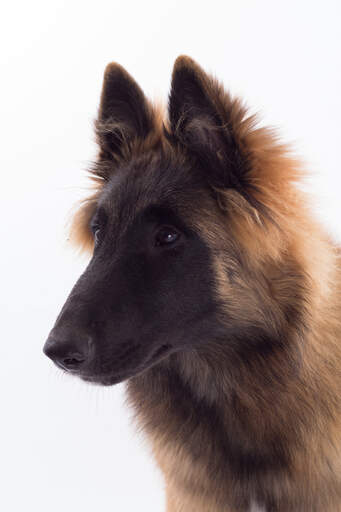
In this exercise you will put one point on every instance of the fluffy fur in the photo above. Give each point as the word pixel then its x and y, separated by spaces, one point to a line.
pixel 249 417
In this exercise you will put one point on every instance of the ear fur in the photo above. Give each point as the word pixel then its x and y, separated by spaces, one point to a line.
pixel 201 118
pixel 124 113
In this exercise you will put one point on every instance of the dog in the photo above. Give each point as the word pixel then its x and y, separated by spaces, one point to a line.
pixel 215 294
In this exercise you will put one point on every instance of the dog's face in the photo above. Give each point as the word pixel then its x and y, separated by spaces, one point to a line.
pixel 149 288
pixel 166 273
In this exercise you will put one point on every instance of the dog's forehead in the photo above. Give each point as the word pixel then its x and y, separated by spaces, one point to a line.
pixel 147 182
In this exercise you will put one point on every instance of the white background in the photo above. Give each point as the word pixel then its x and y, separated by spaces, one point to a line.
pixel 65 445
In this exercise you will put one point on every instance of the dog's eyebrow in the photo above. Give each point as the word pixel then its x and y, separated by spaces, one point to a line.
pixel 159 210
pixel 166 214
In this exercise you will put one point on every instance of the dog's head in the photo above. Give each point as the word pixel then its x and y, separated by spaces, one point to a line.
pixel 180 227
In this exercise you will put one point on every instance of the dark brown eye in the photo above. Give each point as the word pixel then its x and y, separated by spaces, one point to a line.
pixel 96 235
pixel 96 232
pixel 166 236
pixel 97 225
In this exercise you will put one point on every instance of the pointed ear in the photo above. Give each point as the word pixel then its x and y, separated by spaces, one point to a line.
pixel 124 113
pixel 200 118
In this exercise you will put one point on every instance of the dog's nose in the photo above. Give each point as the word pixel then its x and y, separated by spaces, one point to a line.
pixel 66 354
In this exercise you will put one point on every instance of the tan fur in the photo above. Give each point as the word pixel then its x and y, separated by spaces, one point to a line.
pixel 276 244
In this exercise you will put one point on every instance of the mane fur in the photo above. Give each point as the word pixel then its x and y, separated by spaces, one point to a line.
pixel 190 403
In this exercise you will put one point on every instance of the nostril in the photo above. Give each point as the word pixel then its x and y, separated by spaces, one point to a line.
pixel 68 355
pixel 72 361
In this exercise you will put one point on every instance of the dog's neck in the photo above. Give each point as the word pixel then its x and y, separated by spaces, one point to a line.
pixel 240 418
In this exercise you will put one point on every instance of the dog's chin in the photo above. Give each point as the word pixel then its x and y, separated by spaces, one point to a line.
pixel 116 377
pixel 104 380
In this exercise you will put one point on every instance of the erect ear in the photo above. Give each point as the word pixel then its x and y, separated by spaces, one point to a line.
pixel 201 118
pixel 124 113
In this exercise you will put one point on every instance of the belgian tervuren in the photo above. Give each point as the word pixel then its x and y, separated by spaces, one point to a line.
pixel 215 294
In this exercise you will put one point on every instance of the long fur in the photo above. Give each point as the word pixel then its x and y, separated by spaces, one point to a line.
pixel 255 423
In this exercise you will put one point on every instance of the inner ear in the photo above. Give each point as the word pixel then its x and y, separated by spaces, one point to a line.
pixel 124 112
pixel 190 96
pixel 199 115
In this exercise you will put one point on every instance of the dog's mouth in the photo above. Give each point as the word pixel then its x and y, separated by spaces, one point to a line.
pixel 160 352
pixel 110 377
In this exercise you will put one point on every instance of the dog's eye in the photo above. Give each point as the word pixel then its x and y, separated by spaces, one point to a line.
pixel 166 236
pixel 97 226
pixel 96 235
pixel 96 232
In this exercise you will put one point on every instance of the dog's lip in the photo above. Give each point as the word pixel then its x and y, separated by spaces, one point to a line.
pixel 115 378
pixel 160 352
